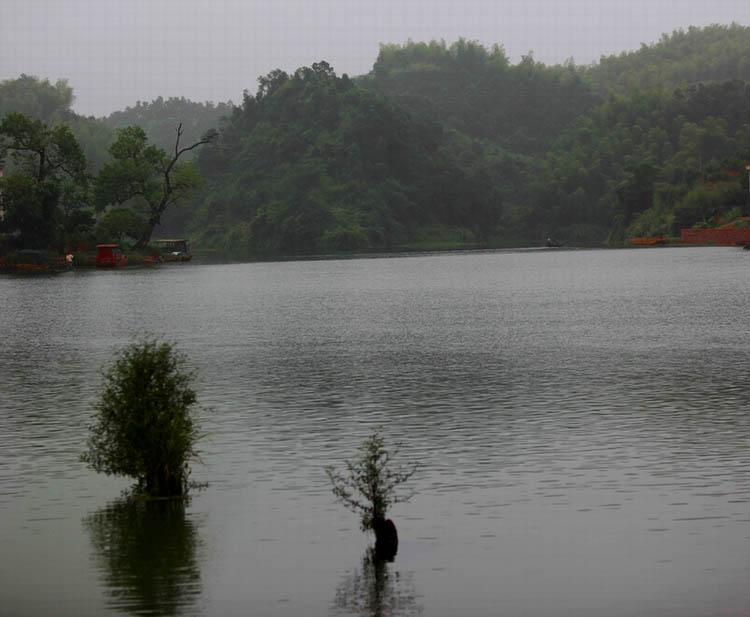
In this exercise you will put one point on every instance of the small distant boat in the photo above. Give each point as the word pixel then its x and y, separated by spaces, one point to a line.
pixel 32 260
pixel 110 256
pixel 651 241
pixel 174 249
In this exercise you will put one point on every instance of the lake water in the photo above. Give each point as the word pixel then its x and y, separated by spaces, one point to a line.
pixel 581 418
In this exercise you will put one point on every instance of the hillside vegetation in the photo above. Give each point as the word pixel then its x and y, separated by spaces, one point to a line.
pixel 711 54
pixel 633 145
pixel 452 146
pixel 313 162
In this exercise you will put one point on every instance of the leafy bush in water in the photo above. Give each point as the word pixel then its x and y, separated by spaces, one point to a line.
pixel 143 426
pixel 369 484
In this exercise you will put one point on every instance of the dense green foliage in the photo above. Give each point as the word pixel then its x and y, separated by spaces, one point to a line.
pixel 41 192
pixel 118 223
pixel 314 162
pixel 502 118
pixel 368 486
pixel 438 146
pixel 159 120
pixel 571 157
pixel 46 198
pixel 479 93
pixel 144 427
pixel 146 176
pixel 645 152
pixel 51 155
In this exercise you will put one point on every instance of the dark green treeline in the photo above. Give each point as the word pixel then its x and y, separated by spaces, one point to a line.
pixel 453 145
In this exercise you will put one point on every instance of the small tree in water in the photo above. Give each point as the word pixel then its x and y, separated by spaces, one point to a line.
pixel 143 426
pixel 368 487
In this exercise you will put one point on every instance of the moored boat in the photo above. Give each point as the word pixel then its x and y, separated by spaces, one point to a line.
pixel 174 249
pixel 32 260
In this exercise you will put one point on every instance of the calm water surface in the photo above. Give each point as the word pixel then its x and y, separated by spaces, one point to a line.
pixel 581 418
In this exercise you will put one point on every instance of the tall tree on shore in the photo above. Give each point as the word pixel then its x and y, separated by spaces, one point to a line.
pixel 146 176
pixel 45 181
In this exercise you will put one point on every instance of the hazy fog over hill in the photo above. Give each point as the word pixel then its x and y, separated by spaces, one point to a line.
pixel 119 52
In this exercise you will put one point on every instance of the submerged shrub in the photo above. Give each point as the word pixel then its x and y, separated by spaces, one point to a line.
pixel 143 426
pixel 368 486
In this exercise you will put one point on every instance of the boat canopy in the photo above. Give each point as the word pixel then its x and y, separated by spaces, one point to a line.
pixel 34 256
pixel 177 245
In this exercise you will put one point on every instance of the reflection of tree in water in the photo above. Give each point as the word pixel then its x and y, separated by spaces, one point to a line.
pixel 147 553
pixel 377 590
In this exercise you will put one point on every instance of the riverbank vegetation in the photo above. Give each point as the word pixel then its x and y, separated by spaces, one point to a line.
pixel 439 145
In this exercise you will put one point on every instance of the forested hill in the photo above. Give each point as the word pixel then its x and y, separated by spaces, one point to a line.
pixel 650 163
pixel 478 92
pixel 696 55
pixel 453 145
pixel 524 107
pixel 632 145
pixel 313 162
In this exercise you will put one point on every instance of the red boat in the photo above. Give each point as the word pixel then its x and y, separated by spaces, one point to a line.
pixel 110 256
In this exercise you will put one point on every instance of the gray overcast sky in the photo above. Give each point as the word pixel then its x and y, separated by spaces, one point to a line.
pixel 117 52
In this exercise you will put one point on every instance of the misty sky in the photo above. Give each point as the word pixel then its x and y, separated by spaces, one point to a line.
pixel 117 52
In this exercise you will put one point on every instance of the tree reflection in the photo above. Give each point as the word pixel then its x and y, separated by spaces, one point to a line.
pixel 147 554
pixel 376 589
